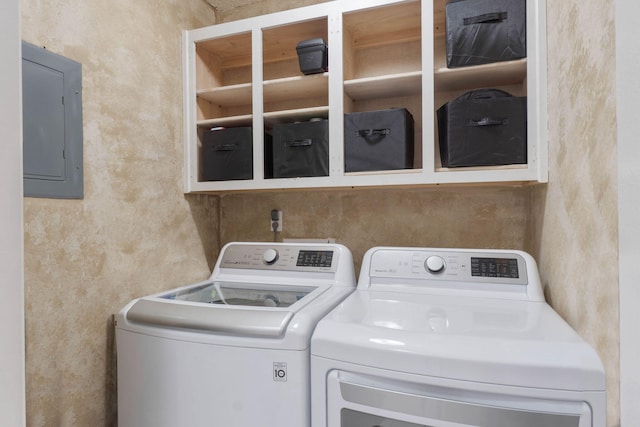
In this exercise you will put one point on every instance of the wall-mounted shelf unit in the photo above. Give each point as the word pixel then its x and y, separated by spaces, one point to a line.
pixel 382 54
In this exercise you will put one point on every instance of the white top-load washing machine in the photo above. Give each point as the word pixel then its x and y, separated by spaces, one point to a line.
pixel 232 351
pixel 446 337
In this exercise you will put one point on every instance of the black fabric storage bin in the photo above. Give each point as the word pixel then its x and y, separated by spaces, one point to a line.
pixel 485 127
pixel 227 154
pixel 485 31
pixel 312 56
pixel 378 140
pixel 301 149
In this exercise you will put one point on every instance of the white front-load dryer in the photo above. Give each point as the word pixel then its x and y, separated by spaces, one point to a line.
pixel 452 338
pixel 231 351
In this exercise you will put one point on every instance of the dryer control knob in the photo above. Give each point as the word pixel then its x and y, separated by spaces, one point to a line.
pixel 270 256
pixel 434 264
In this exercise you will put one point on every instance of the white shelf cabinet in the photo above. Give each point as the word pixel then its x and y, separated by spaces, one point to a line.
pixel 382 54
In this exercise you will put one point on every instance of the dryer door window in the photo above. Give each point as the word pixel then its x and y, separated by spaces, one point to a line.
pixel 349 417
pixel 356 400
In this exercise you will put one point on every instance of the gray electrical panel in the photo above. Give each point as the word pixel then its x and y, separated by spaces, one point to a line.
pixel 52 124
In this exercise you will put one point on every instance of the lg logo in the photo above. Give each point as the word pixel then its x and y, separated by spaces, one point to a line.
pixel 279 371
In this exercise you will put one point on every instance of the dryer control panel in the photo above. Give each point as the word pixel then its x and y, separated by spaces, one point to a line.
pixel 508 267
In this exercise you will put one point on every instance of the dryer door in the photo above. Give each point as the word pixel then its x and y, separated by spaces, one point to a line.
pixel 356 400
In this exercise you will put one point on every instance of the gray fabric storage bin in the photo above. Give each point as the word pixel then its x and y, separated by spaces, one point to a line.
pixel 485 31
pixel 485 127
pixel 378 140
pixel 227 154
pixel 301 149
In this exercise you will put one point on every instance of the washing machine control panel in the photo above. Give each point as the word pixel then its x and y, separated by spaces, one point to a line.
pixel 462 266
pixel 281 257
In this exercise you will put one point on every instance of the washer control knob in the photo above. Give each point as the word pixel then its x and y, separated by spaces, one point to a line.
pixel 270 256
pixel 434 264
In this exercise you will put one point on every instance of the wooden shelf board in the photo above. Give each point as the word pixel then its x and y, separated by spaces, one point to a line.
pixel 228 95
pixel 310 86
pixel 301 114
pixel 244 120
pixel 384 86
pixel 497 73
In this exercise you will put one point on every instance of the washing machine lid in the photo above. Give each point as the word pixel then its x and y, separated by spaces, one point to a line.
pixel 497 341
pixel 244 309
pixel 241 294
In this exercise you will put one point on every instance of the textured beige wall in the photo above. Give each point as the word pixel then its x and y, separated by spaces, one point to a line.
pixel 478 217
pixel 575 216
pixel 135 232
pixel 231 10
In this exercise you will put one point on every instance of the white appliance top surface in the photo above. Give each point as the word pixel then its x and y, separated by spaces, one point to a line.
pixel 459 332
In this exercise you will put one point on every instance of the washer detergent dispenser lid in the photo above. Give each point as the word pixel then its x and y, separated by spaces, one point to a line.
pixel 469 315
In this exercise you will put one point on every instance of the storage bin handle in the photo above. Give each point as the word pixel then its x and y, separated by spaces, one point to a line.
pixel 369 132
pixel 486 18
pixel 226 147
pixel 488 121
pixel 299 143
